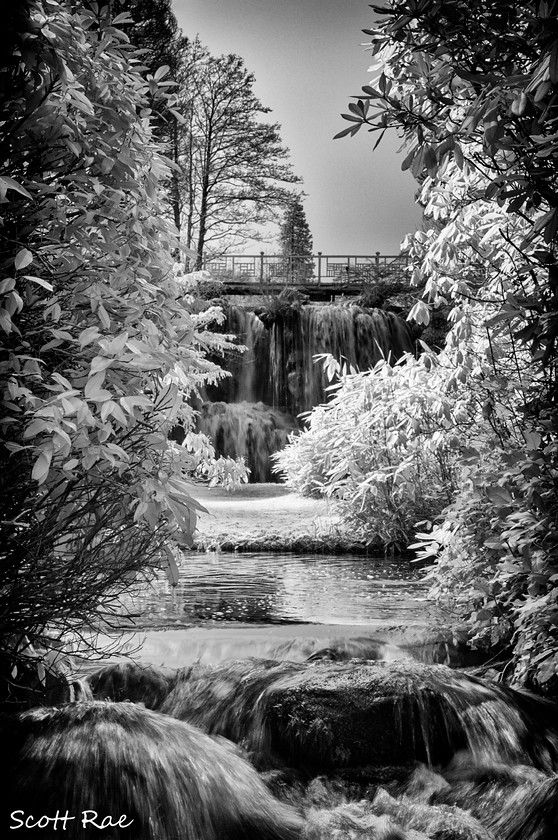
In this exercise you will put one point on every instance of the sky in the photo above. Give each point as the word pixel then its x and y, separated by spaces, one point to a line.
pixel 308 60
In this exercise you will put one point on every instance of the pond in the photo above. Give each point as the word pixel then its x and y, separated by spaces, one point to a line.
pixel 271 588
pixel 276 605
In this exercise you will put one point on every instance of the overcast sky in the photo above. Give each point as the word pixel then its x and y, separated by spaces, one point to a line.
pixel 308 60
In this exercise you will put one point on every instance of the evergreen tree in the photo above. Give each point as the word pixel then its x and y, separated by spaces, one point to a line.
pixel 155 31
pixel 296 243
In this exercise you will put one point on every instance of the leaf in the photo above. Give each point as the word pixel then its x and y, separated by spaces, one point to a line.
pixel 178 117
pixel 7 285
pixel 352 118
pixel 123 17
pixel 161 72
pixel 93 385
pixel 352 131
pixel 171 570
pixel 543 220
pixel 23 258
pixel 499 495
pixel 458 156
pixel 41 467
pixel 6 322
pixel 100 363
pixel 88 335
pixel 408 160
pixel 11 184
pixel 39 281
pixel 519 104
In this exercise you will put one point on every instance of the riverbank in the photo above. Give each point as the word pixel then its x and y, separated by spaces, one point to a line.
pixel 269 517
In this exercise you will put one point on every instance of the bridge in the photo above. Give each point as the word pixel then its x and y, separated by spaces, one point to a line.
pixel 319 277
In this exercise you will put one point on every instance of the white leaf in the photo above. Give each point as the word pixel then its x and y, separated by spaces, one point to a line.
pixel 93 385
pixel 171 571
pixel 161 72
pixel 100 363
pixel 23 258
pixel 41 467
pixel 40 282
pixel 5 321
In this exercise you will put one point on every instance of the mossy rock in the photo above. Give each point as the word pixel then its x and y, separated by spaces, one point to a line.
pixel 123 681
pixel 323 716
pixel 354 714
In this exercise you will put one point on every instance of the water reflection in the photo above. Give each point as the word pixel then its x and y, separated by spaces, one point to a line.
pixel 285 588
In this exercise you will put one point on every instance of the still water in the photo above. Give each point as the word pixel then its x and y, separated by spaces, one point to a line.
pixel 270 588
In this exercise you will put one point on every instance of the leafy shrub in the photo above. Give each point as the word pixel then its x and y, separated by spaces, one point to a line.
pixel 384 446
pixel 102 349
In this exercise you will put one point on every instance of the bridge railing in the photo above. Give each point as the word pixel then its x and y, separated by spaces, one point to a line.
pixel 305 270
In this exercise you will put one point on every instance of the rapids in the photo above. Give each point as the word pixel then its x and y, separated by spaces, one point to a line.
pixel 363 748
pixel 241 718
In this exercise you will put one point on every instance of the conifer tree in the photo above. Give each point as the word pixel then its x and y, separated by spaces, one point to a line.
pixel 156 33
pixel 296 242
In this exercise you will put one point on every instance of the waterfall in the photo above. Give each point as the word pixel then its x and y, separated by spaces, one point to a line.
pixel 252 431
pixel 251 412
pixel 360 336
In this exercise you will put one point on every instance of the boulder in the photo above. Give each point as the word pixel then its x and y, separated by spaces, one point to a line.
pixel 130 681
pixel 326 715
pixel 132 774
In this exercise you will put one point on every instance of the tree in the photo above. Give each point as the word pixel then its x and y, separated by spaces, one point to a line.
pixel 472 89
pixel 295 241
pixel 102 347
pixel 234 164
pixel 155 31
pixel 491 110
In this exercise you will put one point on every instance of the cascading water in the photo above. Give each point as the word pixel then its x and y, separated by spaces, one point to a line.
pixel 339 740
pixel 360 337
pixel 251 413
pixel 252 431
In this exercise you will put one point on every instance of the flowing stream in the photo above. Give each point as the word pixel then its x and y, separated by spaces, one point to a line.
pixel 310 667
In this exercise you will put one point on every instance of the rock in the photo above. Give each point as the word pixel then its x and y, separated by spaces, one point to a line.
pixel 333 715
pixel 325 716
pixel 129 681
pixel 230 700
pixel 164 778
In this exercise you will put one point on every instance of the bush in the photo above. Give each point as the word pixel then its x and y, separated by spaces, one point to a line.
pixel 102 350
pixel 384 446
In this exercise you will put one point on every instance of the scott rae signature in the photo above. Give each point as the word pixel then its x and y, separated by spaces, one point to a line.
pixel 89 819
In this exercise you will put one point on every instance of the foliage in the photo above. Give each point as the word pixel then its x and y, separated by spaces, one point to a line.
pixel 295 241
pixel 471 89
pixel 234 168
pixel 474 83
pixel 102 348
pixel 155 32
pixel 384 445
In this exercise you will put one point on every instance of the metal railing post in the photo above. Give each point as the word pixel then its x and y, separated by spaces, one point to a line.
pixel 261 266
pixel 319 268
